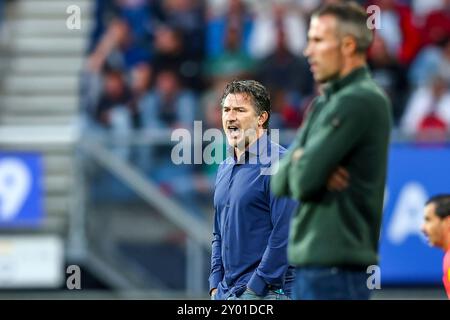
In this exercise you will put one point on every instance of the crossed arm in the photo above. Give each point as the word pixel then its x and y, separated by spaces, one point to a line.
pixel 309 169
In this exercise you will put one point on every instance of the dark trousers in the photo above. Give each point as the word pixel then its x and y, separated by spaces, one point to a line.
pixel 320 283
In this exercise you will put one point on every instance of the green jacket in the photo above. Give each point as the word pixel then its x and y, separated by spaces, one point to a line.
pixel 349 125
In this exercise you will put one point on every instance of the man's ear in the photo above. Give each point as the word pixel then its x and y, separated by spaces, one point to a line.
pixel 263 118
pixel 348 45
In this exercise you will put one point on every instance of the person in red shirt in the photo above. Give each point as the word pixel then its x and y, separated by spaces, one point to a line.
pixel 436 227
pixel 437 25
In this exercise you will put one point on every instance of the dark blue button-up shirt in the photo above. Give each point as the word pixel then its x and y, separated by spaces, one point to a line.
pixel 251 225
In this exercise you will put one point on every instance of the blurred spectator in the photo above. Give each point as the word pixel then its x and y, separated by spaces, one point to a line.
pixel 286 111
pixel 212 119
pixel 237 17
pixel 422 8
pixel 104 12
pixel 430 60
pixel 283 69
pixel 113 111
pixel 308 6
pixel 399 30
pixel 263 39
pixel 171 53
pixel 111 48
pixel 168 105
pixel 288 79
pixel 233 62
pixel 210 101
pixel 389 75
pixel 437 24
pixel 115 95
pixel 187 19
pixel 138 15
pixel 127 40
pixel 108 53
pixel 427 116
pixel 141 80
pixel 1 12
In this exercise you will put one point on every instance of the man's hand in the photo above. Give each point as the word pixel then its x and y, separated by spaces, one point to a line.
pixel 338 180
pixel 213 292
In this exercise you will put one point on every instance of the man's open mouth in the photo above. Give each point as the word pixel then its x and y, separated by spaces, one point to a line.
pixel 233 131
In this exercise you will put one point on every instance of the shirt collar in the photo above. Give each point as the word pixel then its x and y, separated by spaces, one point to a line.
pixel 256 149
pixel 354 76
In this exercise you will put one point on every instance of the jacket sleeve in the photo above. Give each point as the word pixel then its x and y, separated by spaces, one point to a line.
pixel 280 179
pixel 326 148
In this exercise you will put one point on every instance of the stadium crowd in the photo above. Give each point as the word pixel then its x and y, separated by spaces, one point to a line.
pixel 164 63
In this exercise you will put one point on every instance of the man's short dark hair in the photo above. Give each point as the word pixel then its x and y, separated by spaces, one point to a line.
pixel 442 202
pixel 352 20
pixel 255 90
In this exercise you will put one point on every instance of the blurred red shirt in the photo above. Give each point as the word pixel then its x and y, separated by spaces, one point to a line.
pixel 446 277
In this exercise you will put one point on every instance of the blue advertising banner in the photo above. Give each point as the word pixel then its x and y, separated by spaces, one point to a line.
pixel 21 189
pixel 415 173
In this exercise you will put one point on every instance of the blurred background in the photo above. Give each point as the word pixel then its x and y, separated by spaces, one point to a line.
pixel 91 91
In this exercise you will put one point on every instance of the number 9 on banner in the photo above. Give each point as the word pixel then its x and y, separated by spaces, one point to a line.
pixel 15 185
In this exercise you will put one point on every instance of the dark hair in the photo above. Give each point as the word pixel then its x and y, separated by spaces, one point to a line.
pixel 258 93
pixel 442 202
pixel 352 20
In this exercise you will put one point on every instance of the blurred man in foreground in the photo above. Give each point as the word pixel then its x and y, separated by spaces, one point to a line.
pixel 337 164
